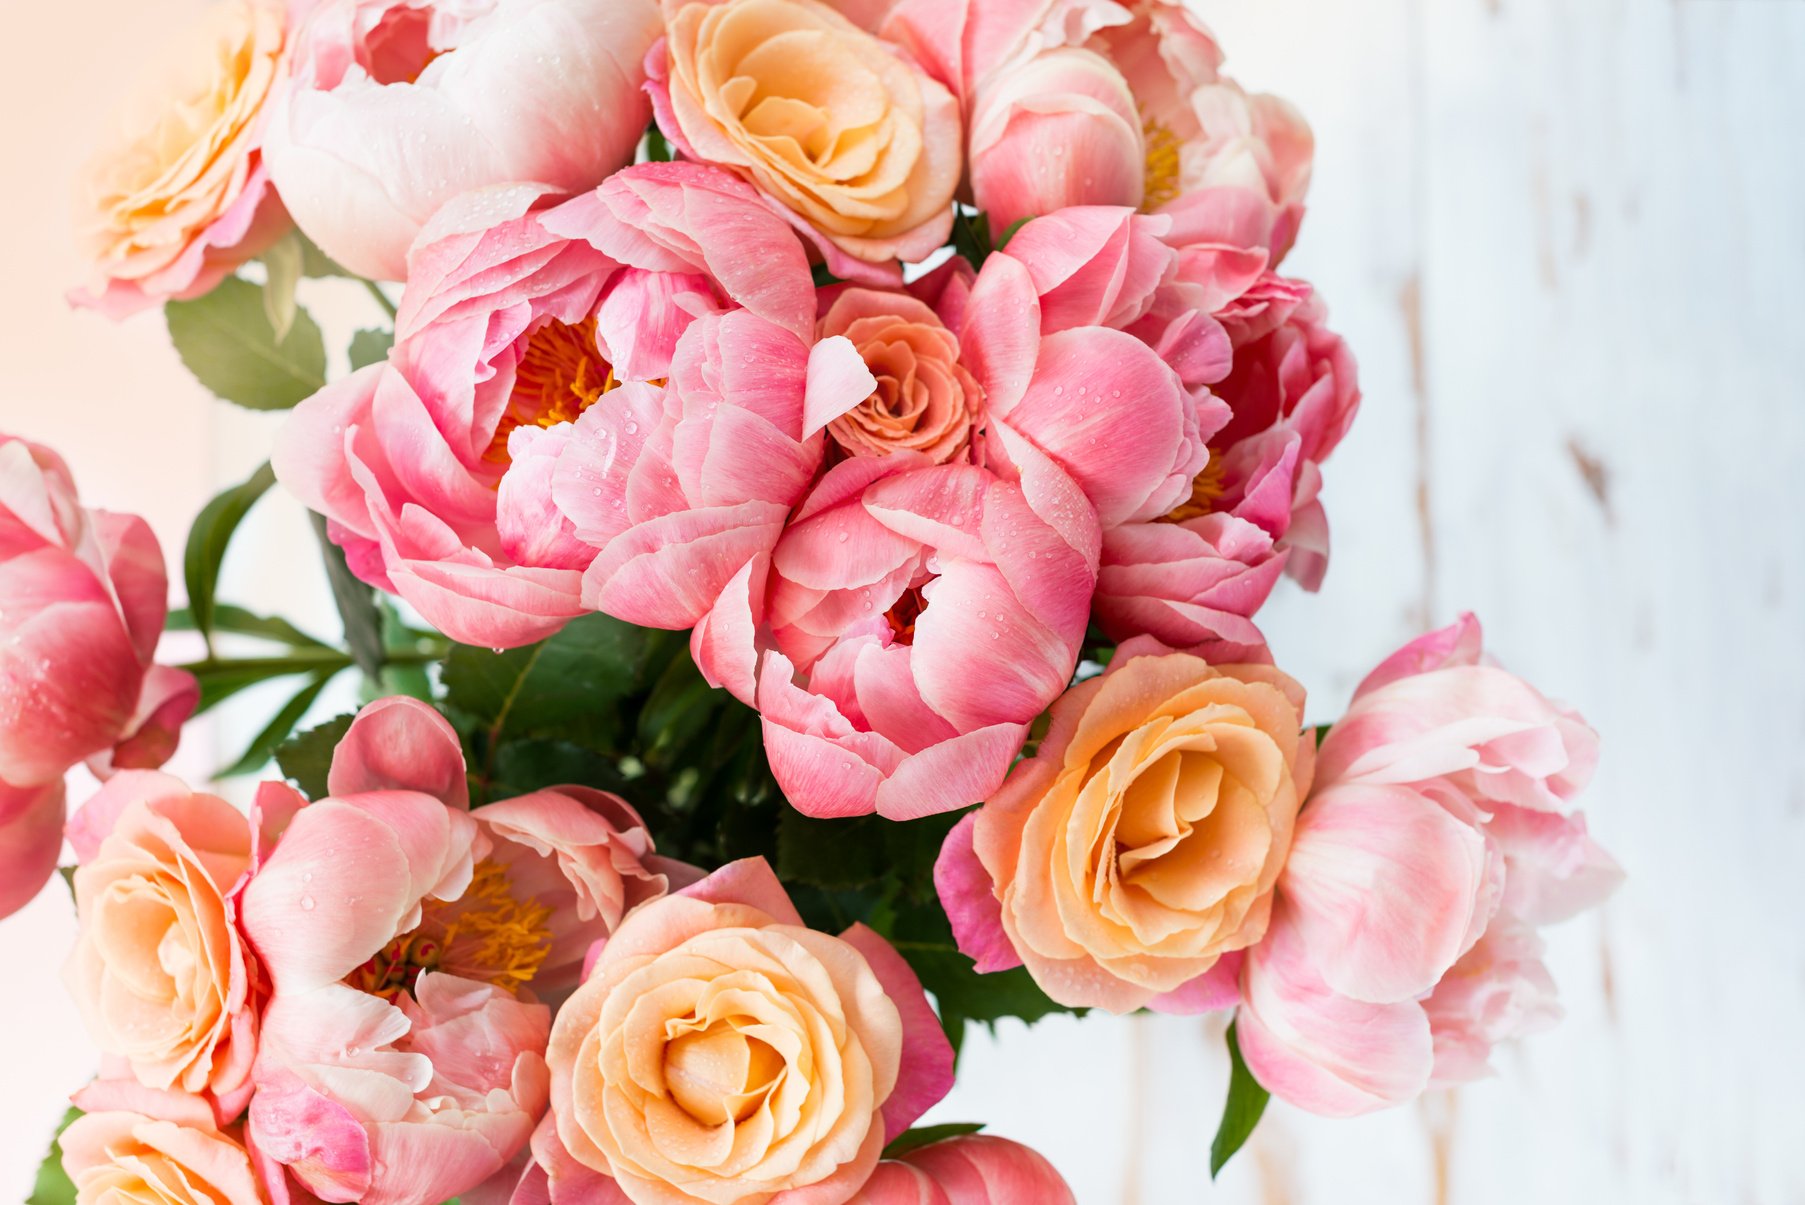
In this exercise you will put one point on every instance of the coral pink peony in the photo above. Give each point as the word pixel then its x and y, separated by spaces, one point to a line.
pixel 405 938
pixel 1440 834
pixel 909 625
pixel 723 1053
pixel 439 470
pixel 82 601
pixel 398 106
pixel 975 1169
pixel 835 126
pixel 133 1143
pixel 159 970
pixel 925 400
pixel 180 197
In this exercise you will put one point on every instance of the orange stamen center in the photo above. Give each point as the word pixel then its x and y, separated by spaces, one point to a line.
pixel 560 376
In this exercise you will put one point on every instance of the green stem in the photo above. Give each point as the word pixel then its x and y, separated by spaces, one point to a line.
pixel 356 607
pixel 300 661
pixel 382 299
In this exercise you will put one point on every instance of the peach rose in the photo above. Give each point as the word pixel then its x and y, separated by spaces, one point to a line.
pixel 1141 844
pixel 179 197
pixel 159 971
pixel 925 400
pixel 134 1144
pixel 721 1052
pixel 832 123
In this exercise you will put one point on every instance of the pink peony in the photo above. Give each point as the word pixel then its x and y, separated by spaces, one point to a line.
pixel 909 625
pixel 440 470
pixel 1440 834
pixel 82 601
pixel 398 106
pixel 975 1169
pixel 405 939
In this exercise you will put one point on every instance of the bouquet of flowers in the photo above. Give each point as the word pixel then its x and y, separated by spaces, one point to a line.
pixel 799 524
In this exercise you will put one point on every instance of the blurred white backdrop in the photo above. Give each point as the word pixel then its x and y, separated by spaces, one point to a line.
pixel 1565 239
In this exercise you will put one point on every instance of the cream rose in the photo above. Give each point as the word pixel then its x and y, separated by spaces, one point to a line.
pixel 831 122
pixel 1142 842
pixel 722 1052
pixel 179 197
pixel 133 1145
pixel 159 971
pixel 925 400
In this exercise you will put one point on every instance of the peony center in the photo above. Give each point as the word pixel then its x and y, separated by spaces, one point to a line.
pixel 1163 165
pixel 1206 491
pixel 486 934
pixel 903 616
pixel 560 375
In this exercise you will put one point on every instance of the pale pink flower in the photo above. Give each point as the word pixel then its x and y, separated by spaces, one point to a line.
pixel 973 1169
pixel 83 595
pixel 715 1013
pixel 398 106
pixel 439 469
pixel 405 939
pixel 1440 834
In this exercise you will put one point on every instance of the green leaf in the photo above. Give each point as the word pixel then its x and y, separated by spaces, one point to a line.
pixel 207 541
pixel 226 340
pixel 971 236
pixel 306 759
pixel 658 147
pixel 283 262
pixel 220 680
pixel 558 688
pixel 53 1186
pixel 370 346
pixel 1246 1102
pixel 357 609
pixel 263 746
pixel 831 853
pixel 1321 732
pixel 314 262
pixel 1013 227
pixel 824 277
pixel 240 622
pixel 920 1136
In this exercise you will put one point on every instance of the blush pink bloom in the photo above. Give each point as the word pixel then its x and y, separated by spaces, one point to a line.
pixel 83 596
pixel 133 1143
pixel 721 1052
pixel 179 197
pixel 438 470
pixel 1440 835
pixel 398 106
pixel 159 970
pixel 405 939
pixel 909 625
pixel 976 1169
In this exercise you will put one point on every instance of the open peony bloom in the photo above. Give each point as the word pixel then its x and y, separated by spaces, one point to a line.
pixel 1440 835
pixel 133 1143
pixel 975 1169
pixel 159 970
pixel 83 596
pixel 180 196
pixel 405 938
pixel 910 624
pixel 1136 851
pixel 722 1053
pixel 398 106
pixel 526 330
pixel 838 128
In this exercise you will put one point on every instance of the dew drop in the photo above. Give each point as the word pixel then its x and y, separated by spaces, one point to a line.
pixel 307 903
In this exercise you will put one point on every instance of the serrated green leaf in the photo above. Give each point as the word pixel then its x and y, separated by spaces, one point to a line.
pixel 283 263
pixel 920 1136
pixel 226 340
pixel 263 746
pixel 1241 1113
pixel 370 346
pixel 306 759
pixel 53 1186
pixel 207 541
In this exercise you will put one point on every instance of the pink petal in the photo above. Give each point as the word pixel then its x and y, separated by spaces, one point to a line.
pixel 400 744
pixel 969 897
pixel 926 1073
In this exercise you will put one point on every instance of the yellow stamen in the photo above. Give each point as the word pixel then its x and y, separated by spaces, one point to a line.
pixel 1206 491
pixel 560 376
pixel 486 934
pixel 1162 165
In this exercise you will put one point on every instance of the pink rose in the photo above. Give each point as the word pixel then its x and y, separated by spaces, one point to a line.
pixel 925 401
pixel 851 139
pixel 723 1053
pixel 133 1143
pixel 975 1169
pixel 180 197
pixel 911 622
pixel 405 938
pixel 398 106
pixel 1440 834
pixel 82 601
pixel 159 970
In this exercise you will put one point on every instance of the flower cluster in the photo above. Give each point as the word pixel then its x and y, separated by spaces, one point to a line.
pixel 929 364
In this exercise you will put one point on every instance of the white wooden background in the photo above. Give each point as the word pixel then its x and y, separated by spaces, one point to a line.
pixel 1566 238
